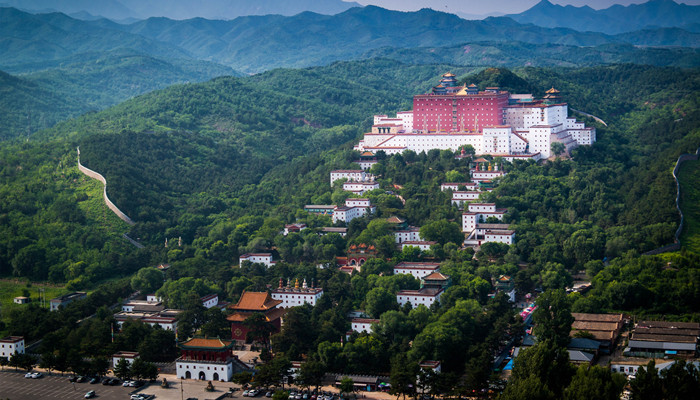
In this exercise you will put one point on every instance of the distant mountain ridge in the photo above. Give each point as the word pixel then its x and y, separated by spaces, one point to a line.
pixel 181 9
pixel 613 20
pixel 253 44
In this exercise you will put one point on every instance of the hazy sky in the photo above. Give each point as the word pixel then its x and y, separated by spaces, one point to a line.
pixel 489 6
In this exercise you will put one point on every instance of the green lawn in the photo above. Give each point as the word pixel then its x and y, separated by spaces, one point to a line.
pixel 689 178
pixel 11 288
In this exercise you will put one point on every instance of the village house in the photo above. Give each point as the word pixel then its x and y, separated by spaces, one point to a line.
pixel 422 245
pixel 416 269
pixel 62 301
pixel 425 296
pixel 664 338
pixel 11 345
pixel 257 258
pixel 293 228
pixel 605 328
pixel 129 356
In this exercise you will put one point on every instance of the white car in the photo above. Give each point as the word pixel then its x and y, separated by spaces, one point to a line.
pixel 37 375
pixel 126 383
pixel 28 375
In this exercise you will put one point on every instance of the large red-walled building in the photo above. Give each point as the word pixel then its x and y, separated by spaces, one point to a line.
pixel 452 108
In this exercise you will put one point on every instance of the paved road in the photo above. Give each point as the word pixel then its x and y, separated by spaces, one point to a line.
pixel 14 386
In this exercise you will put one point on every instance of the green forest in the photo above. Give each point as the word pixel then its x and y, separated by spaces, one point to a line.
pixel 223 165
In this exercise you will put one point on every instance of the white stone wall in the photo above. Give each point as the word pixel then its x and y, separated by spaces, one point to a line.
pixel 482 207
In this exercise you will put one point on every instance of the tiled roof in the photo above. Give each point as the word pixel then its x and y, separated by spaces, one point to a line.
pixel 256 301
pixel 206 343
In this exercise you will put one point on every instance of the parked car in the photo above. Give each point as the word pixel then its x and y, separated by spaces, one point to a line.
pixel 72 378
pixel 126 383
pixel 245 393
pixel 269 393
pixel 90 394
pixel 81 379
pixel 95 380
pixel 28 375
pixel 37 375
pixel 138 383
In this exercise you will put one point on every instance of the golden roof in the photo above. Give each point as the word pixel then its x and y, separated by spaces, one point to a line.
pixel 207 343
pixel 552 90
pixel 449 74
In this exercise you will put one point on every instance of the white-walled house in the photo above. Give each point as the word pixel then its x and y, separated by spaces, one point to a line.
pixel 129 356
pixel 423 245
pixel 349 174
pixel 262 258
pixel 362 324
pixel 411 234
pixel 425 296
pixel 354 208
pixel 416 269
pixel 11 345
pixel 211 300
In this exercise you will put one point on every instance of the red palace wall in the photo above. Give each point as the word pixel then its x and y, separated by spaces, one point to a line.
pixel 485 109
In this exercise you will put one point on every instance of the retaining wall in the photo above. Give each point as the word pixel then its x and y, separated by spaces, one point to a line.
pixel 95 175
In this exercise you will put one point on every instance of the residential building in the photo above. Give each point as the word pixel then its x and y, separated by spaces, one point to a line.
pixel 604 328
pixel 455 186
pixel 129 356
pixel 416 269
pixel 11 345
pixel 423 296
pixel 293 296
pixel 21 300
pixel 354 208
pixel 664 338
pixel 165 318
pixel 62 301
pixel 349 174
pixel 210 300
pixel 423 245
pixel 362 324
pixel 257 258
pixel 294 228
pixel 319 209
pixel 331 229
pixel 410 234
pixel 360 187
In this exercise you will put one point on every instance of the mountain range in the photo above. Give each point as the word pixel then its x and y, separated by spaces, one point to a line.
pixel 253 44
pixel 179 9
pixel 612 20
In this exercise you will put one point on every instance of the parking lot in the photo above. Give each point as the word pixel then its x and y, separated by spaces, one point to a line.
pixel 14 386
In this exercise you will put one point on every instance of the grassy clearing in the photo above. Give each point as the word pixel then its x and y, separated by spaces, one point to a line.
pixel 689 178
pixel 11 288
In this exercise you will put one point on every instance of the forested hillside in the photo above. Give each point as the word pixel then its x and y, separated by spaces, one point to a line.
pixel 173 157
pixel 56 91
